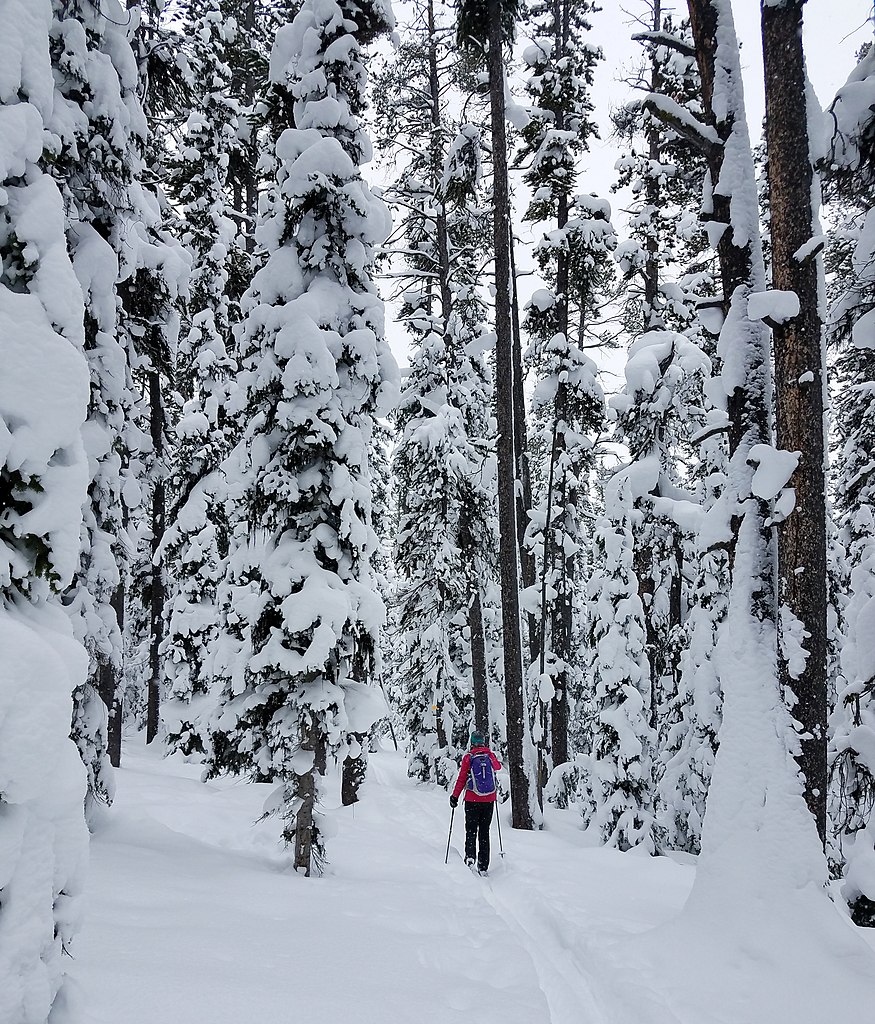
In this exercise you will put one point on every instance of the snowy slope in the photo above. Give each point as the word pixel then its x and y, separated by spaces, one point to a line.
pixel 194 915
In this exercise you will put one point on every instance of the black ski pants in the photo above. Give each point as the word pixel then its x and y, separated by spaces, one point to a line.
pixel 478 818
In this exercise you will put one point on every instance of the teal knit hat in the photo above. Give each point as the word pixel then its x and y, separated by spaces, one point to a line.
pixel 478 739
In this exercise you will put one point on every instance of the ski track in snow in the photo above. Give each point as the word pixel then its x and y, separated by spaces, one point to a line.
pixel 561 978
pixel 194 915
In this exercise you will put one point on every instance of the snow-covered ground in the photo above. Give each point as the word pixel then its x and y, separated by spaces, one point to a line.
pixel 194 915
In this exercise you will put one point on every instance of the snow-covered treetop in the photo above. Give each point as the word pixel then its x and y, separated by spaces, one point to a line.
pixel 318 59
pixel 850 121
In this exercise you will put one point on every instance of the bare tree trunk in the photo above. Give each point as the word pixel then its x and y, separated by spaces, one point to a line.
pixel 528 568
pixel 643 565
pixel 653 319
pixel 644 561
pixel 675 610
pixel 305 833
pixel 562 636
pixel 478 664
pixel 799 386
pixel 510 605
pixel 157 596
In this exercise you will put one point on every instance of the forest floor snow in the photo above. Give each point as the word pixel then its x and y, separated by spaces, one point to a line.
pixel 194 915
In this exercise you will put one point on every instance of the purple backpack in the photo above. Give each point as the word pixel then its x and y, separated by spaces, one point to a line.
pixel 481 778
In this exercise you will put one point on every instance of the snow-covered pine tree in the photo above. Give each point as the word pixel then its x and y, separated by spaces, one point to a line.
pixel 97 116
pixel 616 787
pixel 152 295
pixel 196 538
pixel 662 259
pixel 690 721
pixel 247 54
pixel 756 812
pixel 443 543
pixel 665 265
pixel 573 258
pixel 316 371
pixel 487 28
pixel 851 257
pixel 659 412
pixel 43 486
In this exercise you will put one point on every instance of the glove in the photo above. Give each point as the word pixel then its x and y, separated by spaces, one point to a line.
pixel 454 802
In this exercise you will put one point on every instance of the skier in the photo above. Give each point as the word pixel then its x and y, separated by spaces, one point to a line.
pixel 477 778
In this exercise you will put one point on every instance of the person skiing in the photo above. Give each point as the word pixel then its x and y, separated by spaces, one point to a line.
pixel 477 778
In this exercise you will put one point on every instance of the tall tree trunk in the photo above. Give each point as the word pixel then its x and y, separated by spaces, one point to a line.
pixel 562 634
pixel 799 387
pixel 157 596
pixel 528 569
pixel 653 320
pixel 247 189
pixel 510 604
pixel 478 664
pixel 740 263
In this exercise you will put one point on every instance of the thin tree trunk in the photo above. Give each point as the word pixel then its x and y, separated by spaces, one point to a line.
pixel 478 664
pixel 437 159
pixel 799 386
pixel 510 606
pixel 653 317
pixel 643 566
pixel 644 560
pixel 528 569
pixel 306 837
pixel 546 572
pixel 249 186
pixel 157 596
pixel 676 611
pixel 562 631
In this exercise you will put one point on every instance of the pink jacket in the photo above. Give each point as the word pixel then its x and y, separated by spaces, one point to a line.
pixel 464 771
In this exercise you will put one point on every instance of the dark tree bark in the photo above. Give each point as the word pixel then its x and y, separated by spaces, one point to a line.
pixel 799 386
pixel 653 318
pixel 528 569
pixel 305 834
pixel 562 637
pixel 644 561
pixel 510 603
pixel 747 406
pixel 354 772
pixel 478 664
pixel 157 595
pixel 109 683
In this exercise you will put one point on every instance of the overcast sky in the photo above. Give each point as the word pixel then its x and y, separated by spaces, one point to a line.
pixel 834 31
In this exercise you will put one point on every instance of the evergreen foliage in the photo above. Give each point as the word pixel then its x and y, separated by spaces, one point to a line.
pixel 617 787
pixel 100 121
pixel 444 548
pixel 44 470
pixel 196 541
pixel 315 372
pixel 851 260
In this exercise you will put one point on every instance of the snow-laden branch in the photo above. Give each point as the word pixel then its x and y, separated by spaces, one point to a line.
pixel 701 136
pixel 667 39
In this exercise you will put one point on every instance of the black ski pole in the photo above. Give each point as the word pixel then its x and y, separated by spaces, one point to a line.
pixel 498 819
pixel 449 836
